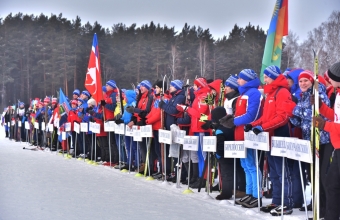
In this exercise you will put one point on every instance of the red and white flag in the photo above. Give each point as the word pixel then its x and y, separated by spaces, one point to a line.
pixel 93 82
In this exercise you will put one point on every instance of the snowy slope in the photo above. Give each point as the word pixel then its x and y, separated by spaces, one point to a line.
pixel 43 185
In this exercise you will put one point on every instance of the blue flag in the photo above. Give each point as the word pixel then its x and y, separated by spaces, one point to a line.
pixel 64 108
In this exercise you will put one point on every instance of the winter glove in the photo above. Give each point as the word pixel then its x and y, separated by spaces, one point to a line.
pixel 312 100
pixel 248 127
pixel 257 130
pixel 217 156
pixel 119 121
pixel 161 104
pixel 227 121
pixel 207 125
pixel 102 102
pixel 118 116
pixel 130 109
pixel 319 122
pixel 91 112
pixel 181 108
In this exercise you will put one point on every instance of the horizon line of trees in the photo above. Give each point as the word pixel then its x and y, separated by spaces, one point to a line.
pixel 40 54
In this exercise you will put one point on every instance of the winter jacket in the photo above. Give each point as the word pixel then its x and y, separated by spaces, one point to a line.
pixel 154 116
pixel 171 113
pixel 143 107
pixel 199 106
pixel 278 106
pixel 223 134
pixel 216 85
pixel 110 99
pixel 130 101
pixel 73 117
pixel 98 117
pixel 333 127
pixel 295 89
pixel 302 114
pixel 248 107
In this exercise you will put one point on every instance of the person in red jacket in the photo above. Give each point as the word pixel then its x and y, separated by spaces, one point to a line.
pixel 333 127
pixel 154 119
pixel 199 106
pixel 277 109
pixel 72 117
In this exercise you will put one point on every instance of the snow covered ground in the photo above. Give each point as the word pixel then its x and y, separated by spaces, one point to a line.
pixel 43 185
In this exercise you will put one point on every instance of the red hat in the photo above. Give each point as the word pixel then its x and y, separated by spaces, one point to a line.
pixel 308 75
pixel 200 82
pixel 47 99
pixel 74 102
pixel 40 103
pixel 54 100
pixel 325 75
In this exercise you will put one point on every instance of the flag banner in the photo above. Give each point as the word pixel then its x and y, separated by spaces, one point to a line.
pixel 64 108
pixel 277 29
pixel 93 82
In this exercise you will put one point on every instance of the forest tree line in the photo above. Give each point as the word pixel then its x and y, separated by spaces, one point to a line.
pixel 40 54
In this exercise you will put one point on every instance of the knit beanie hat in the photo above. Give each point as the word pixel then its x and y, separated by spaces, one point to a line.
pixel 177 84
pixel 247 75
pixel 92 102
pixel 334 72
pixel 200 82
pixel 146 84
pixel 159 83
pixel 111 83
pixel 74 102
pixel 232 82
pixel 54 101
pixel 272 72
pixel 218 113
pixel 308 75
pixel 85 92
pixel 76 92
pixel 47 99
pixel 285 73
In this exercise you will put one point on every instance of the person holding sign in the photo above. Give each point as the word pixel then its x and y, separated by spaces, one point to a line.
pixel 332 179
pixel 198 107
pixel 73 117
pixel 278 107
pixel 247 110
pixel 302 117
pixel 154 119
pixel 226 164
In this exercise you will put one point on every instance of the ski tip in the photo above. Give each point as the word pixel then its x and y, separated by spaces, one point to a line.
pixel 23 148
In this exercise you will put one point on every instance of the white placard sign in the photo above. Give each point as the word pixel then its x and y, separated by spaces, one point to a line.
pixel 63 135
pixel 9 124
pixel 56 122
pixel 27 125
pixel 90 126
pixel 164 136
pixel 76 127
pixel 109 126
pixel 95 128
pixel 83 127
pixel 258 142
pixel 19 124
pixel 292 148
pixel 234 149
pixel 119 129
pixel 136 134
pixel 128 131
pixel 146 131
pixel 36 125
pixel 43 127
pixel 50 128
pixel 190 143
pixel 180 136
pixel 12 122
pixel 68 126
pixel 209 143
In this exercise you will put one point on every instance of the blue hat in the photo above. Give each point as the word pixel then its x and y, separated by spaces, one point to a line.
pixel 111 83
pixel 272 72
pixel 104 89
pixel 21 103
pixel 178 84
pixel 146 84
pixel 285 73
pixel 85 92
pixel 76 92
pixel 247 75
pixel 232 82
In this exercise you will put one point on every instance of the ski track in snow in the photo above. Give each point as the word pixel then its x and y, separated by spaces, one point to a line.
pixel 43 185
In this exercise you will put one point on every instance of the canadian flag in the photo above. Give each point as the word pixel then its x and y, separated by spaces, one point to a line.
pixel 93 82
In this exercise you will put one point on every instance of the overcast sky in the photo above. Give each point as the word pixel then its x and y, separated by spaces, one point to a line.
pixel 218 15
